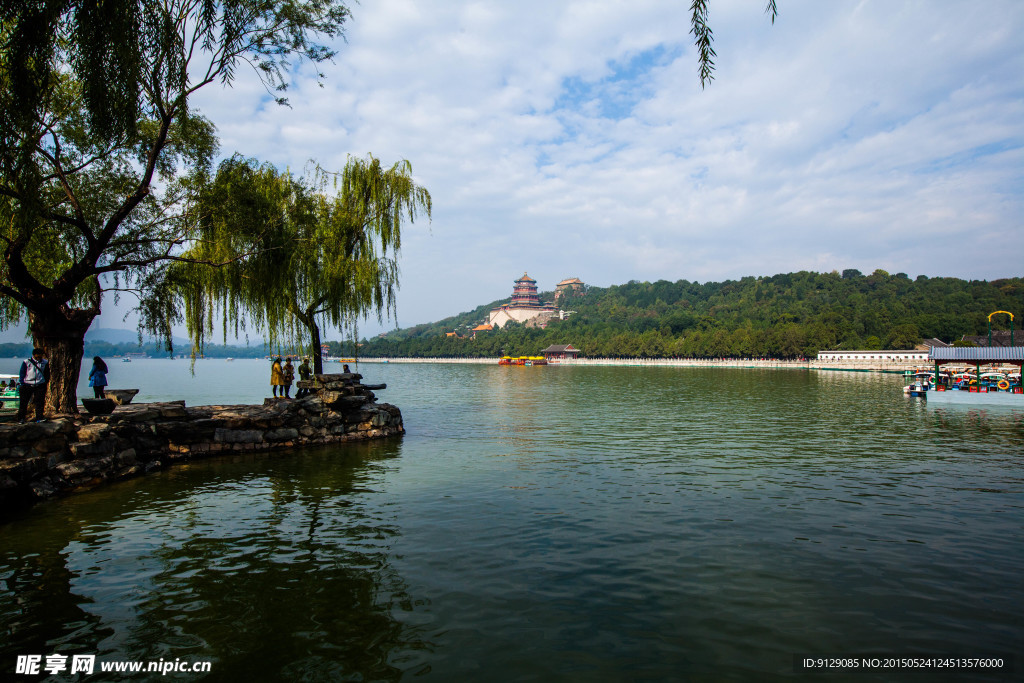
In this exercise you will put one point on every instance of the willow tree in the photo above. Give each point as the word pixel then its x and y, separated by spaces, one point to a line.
pixel 100 152
pixel 321 250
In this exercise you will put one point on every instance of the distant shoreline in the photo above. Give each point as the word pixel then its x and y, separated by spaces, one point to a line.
pixel 755 364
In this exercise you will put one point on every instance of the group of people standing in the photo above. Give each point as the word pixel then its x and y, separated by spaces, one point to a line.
pixel 34 380
pixel 282 376
pixel 35 377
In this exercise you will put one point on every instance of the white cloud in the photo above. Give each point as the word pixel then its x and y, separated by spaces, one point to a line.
pixel 573 138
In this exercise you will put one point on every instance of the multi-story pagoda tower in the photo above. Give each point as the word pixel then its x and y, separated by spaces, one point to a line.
pixel 524 294
pixel 525 306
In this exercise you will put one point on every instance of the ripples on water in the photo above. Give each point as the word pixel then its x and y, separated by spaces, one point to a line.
pixel 556 523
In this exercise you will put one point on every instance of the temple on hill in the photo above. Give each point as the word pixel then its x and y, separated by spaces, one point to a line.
pixel 567 286
pixel 525 306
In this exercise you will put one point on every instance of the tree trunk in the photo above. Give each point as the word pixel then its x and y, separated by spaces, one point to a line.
pixel 62 333
pixel 308 319
pixel 318 361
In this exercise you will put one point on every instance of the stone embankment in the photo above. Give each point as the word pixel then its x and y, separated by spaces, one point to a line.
pixel 69 452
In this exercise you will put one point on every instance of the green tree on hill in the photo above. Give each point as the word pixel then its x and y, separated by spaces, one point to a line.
pixel 795 315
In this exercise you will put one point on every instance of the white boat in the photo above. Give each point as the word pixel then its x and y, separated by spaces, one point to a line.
pixel 8 396
pixel 126 359
pixel 980 398
pixel 10 386
pixel 991 389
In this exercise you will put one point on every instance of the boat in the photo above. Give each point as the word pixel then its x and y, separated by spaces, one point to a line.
pixel 919 383
pixel 986 386
pixel 522 360
pixel 8 396
pixel 126 359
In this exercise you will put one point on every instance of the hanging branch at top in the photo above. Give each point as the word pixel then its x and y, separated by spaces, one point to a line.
pixel 703 37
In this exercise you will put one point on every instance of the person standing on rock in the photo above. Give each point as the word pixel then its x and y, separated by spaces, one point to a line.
pixel 305 373
pixel 289 377
pixel 34 378
pixel 277 377
pixel 98 377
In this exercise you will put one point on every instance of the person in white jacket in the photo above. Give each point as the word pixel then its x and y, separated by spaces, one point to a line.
pixel 34 378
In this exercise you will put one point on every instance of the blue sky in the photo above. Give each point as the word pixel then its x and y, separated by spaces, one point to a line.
pixel 573 139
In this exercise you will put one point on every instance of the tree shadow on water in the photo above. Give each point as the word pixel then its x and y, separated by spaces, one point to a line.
pixel 271 567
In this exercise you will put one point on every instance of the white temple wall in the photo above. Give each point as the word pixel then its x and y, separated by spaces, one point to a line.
pixel 500 316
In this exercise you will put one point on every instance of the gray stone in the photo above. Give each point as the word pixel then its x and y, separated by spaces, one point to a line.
pixel 51 444
pixel 105 447
pixel 89 433
pixel 70 469
pixel 128 472
pixel 284 434
pixel 238 435
pixel 42 488
pixel 343 403
pixel 139 414
pixel 169 411
pixel 35 431
pixel 125 458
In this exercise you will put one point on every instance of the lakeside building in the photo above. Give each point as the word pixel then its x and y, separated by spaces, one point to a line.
pixel 525 306
pixel 900 356
pixel 480 328
pixel 1002 338
pixel 560 352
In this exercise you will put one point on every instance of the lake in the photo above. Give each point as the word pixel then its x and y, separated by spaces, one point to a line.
pixel 545 523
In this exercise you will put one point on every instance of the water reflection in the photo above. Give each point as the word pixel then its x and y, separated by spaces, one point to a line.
pixel 555 523
pixel 287 557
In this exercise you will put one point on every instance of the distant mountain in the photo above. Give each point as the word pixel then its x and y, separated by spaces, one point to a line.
pixel 112 335
pixel 116 336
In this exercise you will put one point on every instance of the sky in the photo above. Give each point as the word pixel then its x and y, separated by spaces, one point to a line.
pixel 573 139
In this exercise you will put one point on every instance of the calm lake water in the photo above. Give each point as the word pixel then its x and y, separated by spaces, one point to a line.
pixel 546 524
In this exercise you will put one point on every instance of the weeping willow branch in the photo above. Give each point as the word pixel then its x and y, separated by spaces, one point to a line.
pixel 295 254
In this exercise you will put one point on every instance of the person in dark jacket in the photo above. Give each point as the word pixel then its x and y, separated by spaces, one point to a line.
pixel 98 377
pixel 305 373
pixel 34 378
pixel 289 376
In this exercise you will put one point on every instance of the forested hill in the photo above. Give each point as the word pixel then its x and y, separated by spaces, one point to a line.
pixel 785 316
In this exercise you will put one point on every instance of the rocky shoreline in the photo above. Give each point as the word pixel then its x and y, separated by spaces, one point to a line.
pixel 72 452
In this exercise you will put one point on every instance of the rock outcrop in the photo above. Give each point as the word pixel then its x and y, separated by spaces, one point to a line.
pixel 46 459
